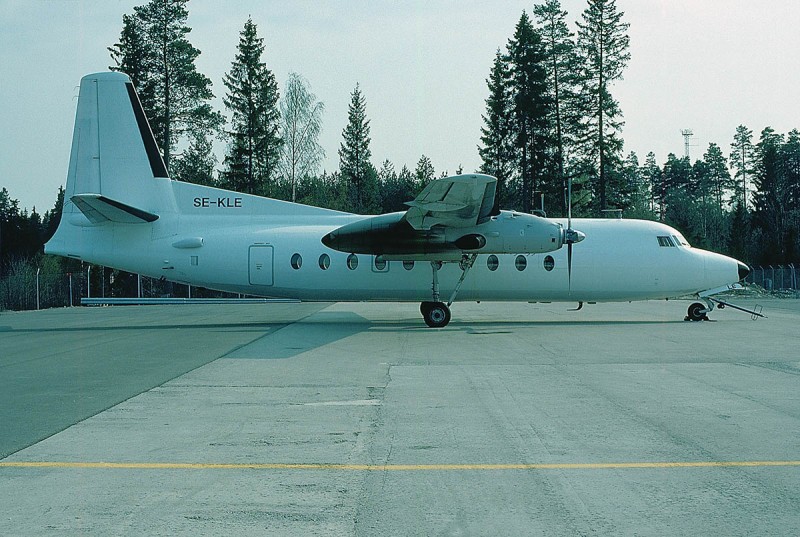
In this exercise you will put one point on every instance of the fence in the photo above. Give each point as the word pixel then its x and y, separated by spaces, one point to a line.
pixel 774 277
pixel 25 287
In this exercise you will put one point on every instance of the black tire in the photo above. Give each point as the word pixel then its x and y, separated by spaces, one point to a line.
pixel 437 314
pixel 425 307
pixel 696 312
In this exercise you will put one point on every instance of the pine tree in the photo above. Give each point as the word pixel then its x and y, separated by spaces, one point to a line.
pixel 133 57
pixel 254 146
pixel 718 174
pixel 301 122
pixel 635 188
pixel 740 233
pixel 702 200
pixel 772 198
pixel 53 217
pixel 652 177
pixel 791 152
pixel 424 173
pixel 718 184
pixel 528 84
pixel 396 189
pixel 198 163
pixel 175 96
pixel 497 150
pixel 743 161
pixel 561 65
pixel 791 170
pixel 679 196
pixel 603 45
pixel 354 158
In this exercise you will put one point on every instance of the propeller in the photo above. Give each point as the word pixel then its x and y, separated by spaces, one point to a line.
pixel 571 236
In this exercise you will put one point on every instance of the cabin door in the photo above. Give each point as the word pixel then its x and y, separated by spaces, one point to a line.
pixel 261 256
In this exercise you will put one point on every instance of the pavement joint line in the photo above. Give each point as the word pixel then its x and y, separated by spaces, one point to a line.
pixel 389 467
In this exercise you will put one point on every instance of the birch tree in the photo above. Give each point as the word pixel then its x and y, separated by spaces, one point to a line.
pixel 301 123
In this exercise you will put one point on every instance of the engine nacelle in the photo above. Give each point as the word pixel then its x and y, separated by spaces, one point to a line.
pixel 391 236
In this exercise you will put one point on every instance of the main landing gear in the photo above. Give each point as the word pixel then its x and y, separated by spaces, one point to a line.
pixel 436 313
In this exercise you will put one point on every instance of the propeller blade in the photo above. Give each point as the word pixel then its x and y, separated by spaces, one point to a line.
pixel 569 232
pixel 569 202
pixel 569 265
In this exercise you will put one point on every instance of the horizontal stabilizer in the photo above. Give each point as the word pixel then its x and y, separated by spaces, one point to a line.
pixel 98 208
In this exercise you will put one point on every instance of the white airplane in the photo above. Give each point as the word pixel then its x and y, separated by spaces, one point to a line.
pixel 122 210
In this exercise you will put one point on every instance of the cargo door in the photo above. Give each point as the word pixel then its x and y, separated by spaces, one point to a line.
pixel 261 256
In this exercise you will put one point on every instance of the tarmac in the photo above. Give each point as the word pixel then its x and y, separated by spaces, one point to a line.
pixel 356 419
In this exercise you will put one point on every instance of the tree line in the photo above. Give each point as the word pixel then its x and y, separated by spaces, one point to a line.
pixel 550 119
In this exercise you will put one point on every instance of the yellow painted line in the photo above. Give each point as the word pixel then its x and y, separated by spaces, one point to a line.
pixel 389 467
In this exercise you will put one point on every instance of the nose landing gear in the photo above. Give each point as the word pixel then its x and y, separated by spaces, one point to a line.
pixel 697 312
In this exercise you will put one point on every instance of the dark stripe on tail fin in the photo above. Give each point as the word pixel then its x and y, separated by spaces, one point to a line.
pixel 156 162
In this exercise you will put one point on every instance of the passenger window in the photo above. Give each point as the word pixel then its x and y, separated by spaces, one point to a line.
pixel 297 261
pixel 492 262
pixel 408 265
pixel 380 263
pixel 520 262
pixel 352 261
pixel 324 261
pixel 549 263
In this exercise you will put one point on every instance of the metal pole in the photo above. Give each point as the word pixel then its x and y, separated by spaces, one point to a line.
pixel 89 282
pixel 190 291
pixel 138 286
pixel 70 289
pixel 38 269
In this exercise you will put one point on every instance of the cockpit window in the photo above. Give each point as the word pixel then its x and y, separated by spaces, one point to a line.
pixel 665 240
pixel 679 240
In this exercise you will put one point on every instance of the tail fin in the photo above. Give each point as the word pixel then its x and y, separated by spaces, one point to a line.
pixel 114 161
pixel 113 149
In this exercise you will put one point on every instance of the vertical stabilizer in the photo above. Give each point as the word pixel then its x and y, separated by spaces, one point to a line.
pixel 113 149
pixel 114 164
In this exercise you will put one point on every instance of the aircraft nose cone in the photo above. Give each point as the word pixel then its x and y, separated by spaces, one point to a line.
pixel 744 270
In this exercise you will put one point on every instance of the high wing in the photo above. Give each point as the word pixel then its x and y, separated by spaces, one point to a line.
pixel 457 201
pixel 451 217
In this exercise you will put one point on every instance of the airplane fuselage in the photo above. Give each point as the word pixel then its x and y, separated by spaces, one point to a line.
pixel 238 243
pixel 122 210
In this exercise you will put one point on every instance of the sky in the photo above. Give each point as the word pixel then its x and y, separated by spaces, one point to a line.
pixel 422 65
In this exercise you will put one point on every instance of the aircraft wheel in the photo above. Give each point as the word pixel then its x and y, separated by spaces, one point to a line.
pixel 425 307
pixel 436 314
pixel 696 312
